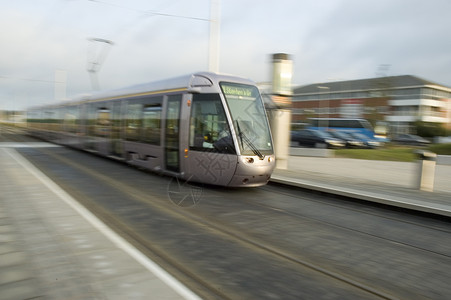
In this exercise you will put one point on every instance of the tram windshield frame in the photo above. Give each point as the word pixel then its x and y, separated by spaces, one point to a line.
pixel 249 118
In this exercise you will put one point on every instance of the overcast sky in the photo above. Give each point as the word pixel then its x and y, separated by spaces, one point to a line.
pixel 329 40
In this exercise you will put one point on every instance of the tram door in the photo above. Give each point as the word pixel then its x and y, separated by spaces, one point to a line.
pixel 172 157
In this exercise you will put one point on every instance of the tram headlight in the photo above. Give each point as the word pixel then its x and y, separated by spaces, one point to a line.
pixel 250 160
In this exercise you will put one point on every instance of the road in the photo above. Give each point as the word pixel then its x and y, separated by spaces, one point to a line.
pixel 272 242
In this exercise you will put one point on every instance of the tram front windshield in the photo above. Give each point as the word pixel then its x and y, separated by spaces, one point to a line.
pixel 249 118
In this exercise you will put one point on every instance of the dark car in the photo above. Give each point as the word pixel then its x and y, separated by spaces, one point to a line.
pixel 367 141
pixel 411 139
pixel 315 138
pixel 351 142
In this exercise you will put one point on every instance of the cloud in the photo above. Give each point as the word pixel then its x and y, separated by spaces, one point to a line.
pixel 360 35
pixel 329 39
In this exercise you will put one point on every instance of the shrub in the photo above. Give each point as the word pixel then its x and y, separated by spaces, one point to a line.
pixel 441 149
pixel 429 129
pixel 389 154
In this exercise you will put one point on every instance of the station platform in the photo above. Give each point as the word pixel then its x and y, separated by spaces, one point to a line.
pixel 51 247
pixel 385 182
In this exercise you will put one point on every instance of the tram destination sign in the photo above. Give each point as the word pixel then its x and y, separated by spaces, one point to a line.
pixel 237 90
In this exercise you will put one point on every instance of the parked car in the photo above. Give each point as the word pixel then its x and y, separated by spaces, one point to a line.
pixel 367 141
pixel 410 139
pixel 315 138
pixel 351 142
pixel 442 139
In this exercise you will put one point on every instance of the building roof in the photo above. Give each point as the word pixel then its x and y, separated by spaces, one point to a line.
pixel 378 83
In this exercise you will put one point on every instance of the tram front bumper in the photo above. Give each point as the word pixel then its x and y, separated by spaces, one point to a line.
pixel 252 171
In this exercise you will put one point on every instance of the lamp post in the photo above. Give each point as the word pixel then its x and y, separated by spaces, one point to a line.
pixel 319 104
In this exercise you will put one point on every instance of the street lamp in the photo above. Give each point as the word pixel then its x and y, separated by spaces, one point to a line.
pixel 319 104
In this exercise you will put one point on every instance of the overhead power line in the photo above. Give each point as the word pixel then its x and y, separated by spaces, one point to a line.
pixel 29 79
pixel 149 12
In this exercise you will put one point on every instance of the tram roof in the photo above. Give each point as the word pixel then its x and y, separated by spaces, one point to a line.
pixel 181 83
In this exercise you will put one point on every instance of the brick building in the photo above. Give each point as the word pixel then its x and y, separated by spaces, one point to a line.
pixel 397 101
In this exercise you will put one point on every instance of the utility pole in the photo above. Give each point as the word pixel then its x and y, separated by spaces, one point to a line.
pixel 213 53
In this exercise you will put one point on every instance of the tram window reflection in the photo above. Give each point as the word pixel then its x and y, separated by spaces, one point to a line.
pixel 133 122
pixel 152 124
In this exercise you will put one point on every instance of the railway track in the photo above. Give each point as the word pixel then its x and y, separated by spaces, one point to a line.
pixel 386 214
pixel 222 242
pixel 241 244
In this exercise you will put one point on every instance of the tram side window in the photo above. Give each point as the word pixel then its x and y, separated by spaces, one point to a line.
pixel 70 119
pixel 58 119
pixel 152 124
pixel 92 119
pixel 50 119
pixel 103 122
pixel 33 119
pixel 133 122
pixel 209 129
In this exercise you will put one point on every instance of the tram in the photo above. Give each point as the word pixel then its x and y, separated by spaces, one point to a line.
pixel 203 127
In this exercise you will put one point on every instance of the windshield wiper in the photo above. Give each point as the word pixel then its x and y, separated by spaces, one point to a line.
pixel 248 142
